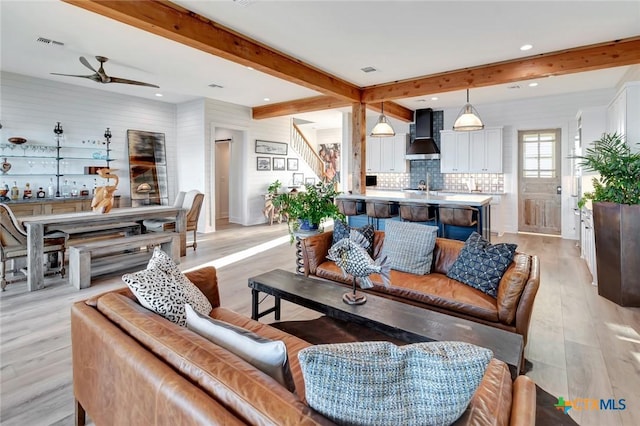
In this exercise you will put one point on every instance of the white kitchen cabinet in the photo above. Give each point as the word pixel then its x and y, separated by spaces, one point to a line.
pixel 592 123
pixel 623 113
pixel 471 152
pixel 386 155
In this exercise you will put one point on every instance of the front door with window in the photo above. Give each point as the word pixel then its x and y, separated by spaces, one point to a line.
pixel 539 181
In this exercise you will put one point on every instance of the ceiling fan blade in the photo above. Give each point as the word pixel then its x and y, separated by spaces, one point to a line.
pixel 86 63
pixel 125 81
pixel 94 77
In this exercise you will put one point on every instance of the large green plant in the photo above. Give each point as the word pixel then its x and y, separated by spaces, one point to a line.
pixel 619 169
pixel 314 204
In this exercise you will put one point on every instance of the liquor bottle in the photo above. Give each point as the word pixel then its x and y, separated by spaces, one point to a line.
pixel 74 190
pixel 50 191
pixel 84 192
pixel 40 193
pixel 65 189
pixel 15 192
pixel 26 194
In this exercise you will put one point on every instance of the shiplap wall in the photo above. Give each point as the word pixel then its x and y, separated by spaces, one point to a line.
pixel 32 106
pixel 536 113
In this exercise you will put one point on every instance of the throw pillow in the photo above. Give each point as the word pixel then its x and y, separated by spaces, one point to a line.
pixel 159 293
pixel 481 264
pixel 378 383
pixel 162 261
pixel 342 230
pixel 269 356
pixel 409 246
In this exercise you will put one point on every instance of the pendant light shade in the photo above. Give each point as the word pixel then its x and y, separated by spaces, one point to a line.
pixel 382 129
pixel 468 118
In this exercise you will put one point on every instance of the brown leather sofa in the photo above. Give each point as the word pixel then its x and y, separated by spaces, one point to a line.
pixel 131 366
pixel 511 310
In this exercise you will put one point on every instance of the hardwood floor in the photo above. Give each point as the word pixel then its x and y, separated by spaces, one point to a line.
pixel 580 345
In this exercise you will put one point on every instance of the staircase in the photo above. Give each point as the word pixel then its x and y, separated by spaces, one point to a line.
pixel 306 152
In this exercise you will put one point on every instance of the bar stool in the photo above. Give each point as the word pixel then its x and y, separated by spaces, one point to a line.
pixel 415 212
pixel 347 207
pixel 464 216
pixel 378 209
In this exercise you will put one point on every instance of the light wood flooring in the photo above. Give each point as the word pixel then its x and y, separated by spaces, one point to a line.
pixel 580 345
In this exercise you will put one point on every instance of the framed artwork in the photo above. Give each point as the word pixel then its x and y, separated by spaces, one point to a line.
pixel 310 181
pixel 147 168
pixel 298 179
pixel 271 148
pixel 278 163
pixel 330 154
pixel 292 164
pixel 263 163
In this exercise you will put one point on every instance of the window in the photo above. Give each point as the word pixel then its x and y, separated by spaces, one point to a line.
pixel 539 151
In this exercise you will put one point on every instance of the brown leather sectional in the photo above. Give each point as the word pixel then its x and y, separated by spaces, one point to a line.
pixel 510 311
pixel 131 366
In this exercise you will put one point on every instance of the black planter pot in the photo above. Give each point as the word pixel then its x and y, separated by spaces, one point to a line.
pixel 617 235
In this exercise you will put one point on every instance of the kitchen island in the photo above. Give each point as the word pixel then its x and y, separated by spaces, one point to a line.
pixel 479 201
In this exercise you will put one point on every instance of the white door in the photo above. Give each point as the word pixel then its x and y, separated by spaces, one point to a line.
pixel 223 158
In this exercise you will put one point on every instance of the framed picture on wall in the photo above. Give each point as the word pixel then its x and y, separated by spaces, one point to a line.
pixel 310 181
pixel 298 179
pixel 263 163
pixel 271 148
pixel 278 163
pixel 292 164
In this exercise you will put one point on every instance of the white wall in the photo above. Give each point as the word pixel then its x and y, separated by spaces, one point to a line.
pixel 536 113
pixel 32 106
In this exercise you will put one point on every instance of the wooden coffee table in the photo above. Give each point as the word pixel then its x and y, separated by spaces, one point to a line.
pixel 400 320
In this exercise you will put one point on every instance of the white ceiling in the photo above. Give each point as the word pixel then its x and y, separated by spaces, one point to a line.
pixel 401 39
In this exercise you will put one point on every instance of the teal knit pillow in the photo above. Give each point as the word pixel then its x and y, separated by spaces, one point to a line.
pixel 378 383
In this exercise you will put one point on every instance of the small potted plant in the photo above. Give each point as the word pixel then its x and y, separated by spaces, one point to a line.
pixel 616 217
pixel 307 210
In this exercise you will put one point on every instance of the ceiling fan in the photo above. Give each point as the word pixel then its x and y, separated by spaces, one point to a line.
pixel 101 77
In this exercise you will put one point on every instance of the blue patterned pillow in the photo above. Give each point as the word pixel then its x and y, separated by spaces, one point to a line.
pixel 481 265
pixel 409 246
pixel 379 383
pixel 342 230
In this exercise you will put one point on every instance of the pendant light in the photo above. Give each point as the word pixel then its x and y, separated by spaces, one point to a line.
pixel 382 129
pixel 468 118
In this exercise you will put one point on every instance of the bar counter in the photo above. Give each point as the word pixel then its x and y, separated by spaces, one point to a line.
pixel 479 201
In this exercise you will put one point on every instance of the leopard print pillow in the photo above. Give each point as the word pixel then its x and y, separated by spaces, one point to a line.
pixel 163 262
pixel 159 293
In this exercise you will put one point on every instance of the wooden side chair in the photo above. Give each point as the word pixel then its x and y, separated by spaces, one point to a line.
pixel 13 239
pixel 192 202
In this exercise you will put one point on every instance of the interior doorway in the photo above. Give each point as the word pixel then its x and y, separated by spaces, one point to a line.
pixel 539 181
pixel 223 158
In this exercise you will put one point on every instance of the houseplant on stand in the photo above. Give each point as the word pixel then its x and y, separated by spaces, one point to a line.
pixel 616 217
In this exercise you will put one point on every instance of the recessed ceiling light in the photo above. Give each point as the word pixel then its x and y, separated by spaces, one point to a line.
pixel 250 68
pixel 159 95
pixel 534 84
pixel 266 99
pixel 435 98
pixel 526 47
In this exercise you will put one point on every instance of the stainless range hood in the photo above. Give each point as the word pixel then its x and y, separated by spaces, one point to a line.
pixel 423 146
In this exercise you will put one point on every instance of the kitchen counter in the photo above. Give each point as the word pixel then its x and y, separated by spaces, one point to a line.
pixel 474 199
pixel 481 202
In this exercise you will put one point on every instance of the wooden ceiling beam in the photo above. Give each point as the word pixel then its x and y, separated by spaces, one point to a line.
pixel 580 59
pixel 320 103
pixel 175 23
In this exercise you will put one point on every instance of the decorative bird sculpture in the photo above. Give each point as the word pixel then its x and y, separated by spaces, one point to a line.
pixel 351 255
pixel 103 198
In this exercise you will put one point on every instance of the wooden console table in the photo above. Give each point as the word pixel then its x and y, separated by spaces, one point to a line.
pixel 37 226
pixel 400 320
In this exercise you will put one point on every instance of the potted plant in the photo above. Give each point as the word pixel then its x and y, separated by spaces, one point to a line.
pixel 308 209
pixel 616 217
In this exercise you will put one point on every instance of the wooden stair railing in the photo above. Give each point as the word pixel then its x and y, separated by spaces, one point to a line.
pixel 306 152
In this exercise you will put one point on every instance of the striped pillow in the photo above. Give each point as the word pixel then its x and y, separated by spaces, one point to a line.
pixel 409 246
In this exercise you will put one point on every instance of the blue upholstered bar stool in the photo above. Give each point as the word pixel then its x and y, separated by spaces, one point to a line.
pixel 462 216
pixel 378 209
